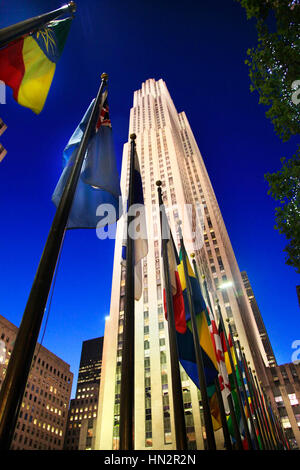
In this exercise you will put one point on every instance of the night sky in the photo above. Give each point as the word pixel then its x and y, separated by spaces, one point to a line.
pixel 198 49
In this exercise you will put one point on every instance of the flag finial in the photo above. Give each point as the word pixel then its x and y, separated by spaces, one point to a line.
pixel 158 183
pixel 72 6
pixel 132 136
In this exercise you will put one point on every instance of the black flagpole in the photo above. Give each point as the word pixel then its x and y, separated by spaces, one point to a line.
pixel 18 369
pixel 258 405
pixel 235 426
pixel 225 429
pixel 18 30
pixel 127 371
pixel 179 420
pixel 211 443
pixel 238 350
pixel 234 374
pixel 264 415
pixel 254 404
pixel 244 419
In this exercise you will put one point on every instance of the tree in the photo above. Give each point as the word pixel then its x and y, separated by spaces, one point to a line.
pixel 274 71
pixel 274 64
pixel 285 187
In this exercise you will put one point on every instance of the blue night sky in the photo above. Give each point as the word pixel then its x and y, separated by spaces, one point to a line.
pixel 199 50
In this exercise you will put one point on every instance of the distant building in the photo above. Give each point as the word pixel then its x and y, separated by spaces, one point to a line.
pixel 83 408
pixel 284 393
pixel 43 416
pixel 259 321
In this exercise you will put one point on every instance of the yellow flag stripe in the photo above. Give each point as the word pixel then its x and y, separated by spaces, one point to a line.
pixel 39 72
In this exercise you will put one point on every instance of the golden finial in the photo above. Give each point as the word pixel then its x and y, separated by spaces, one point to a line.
pixel 104 76
pixel 158 183
pixel 132 136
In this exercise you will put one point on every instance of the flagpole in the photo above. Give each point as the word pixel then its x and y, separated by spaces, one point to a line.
pixel 265 414
pixel 226 433
pixel 179 419
pixel 265 402
pixel 254 404
pixel 217 384
pixel 127 371
pixel 18 369
pixel 198 353
pixel 236 430
pixel 18 30
pixel 233 373
pixel 245 394
pixel 244 419
pixel 260 412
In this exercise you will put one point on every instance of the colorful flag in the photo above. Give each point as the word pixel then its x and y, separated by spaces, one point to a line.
pixel 99 179
pixel 177 294
pixel 185 341
pixel 222 357
pixel 3 152
pixel 3 126
pixel 139 228
pixel 27 65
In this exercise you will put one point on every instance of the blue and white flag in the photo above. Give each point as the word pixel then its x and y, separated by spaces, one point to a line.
pixel 99 181
pixel 137 230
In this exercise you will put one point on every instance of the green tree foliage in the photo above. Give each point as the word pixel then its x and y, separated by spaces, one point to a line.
pixel 274 71
pixel 285 187
pixel 274 64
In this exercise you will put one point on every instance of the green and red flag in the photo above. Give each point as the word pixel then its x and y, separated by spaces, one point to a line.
pixel 27 65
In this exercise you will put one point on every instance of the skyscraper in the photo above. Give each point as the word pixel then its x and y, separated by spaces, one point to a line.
pixel 83 408
pixel 259 321
pixel 168 151
pixel 42 419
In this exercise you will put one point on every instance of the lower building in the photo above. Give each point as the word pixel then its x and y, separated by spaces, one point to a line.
pixel 83 408
pixel 283 391
pixel 43 416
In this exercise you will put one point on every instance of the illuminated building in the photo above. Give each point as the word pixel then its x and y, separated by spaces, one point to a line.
pixel 43 416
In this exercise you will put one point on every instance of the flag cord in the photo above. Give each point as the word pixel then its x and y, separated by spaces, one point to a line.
pixel 51 296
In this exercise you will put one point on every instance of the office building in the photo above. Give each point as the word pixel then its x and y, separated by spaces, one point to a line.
pixel 168 152
pixel 43 416
pixel 259 321
pixel 283 391
pixel 83 408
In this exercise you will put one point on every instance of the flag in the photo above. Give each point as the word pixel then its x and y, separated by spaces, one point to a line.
pixel 3 152
pixel 176 287
pixel 3 126
pixel 234 391
pixel 223 360
pixel 185 340
pixel 140 241
pixel 99 179
pixel 27 65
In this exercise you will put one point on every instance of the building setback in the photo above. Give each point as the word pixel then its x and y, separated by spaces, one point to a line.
pixel 83 408
pixel 168 151
pixel 43 416
pixel 259 321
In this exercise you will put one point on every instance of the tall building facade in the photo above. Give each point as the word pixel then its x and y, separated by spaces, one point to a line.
pixel 259 321
pixel 43 416
pixel 283 391
pixel 83 408
pixel 168 152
